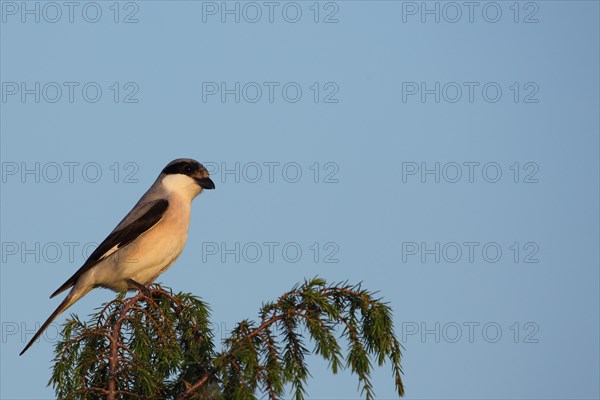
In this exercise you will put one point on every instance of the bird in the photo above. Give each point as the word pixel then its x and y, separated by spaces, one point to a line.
pixel 145 243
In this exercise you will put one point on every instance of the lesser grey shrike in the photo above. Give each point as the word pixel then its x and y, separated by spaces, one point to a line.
pixel 145 243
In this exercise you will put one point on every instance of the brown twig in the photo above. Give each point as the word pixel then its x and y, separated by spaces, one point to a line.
pixel 115 336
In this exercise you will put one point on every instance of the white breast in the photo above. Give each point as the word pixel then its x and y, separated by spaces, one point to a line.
pixel 149 255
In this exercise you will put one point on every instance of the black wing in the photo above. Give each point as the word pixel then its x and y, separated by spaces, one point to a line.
pixel 119 239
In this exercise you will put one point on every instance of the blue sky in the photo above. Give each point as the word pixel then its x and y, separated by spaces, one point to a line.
pixel 444 154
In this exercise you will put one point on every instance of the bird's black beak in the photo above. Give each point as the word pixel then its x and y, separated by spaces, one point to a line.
pixel 205 183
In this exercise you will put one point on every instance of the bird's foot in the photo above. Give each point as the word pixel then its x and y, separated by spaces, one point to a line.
pixel 138 286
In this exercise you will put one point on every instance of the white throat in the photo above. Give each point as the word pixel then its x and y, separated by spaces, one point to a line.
pixel 182 185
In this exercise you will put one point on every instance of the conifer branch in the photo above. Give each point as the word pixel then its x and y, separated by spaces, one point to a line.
pixel 159 345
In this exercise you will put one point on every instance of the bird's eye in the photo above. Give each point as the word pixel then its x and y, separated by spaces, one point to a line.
pixel 187 169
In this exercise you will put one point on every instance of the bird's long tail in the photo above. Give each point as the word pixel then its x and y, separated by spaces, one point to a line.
pixel 73 296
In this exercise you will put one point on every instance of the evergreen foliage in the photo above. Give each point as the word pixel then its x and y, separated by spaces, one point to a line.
pixel 159 345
